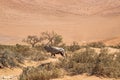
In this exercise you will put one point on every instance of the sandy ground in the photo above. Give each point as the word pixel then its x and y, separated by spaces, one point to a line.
pixel 83 77
pixel 13 74
pixel 10 74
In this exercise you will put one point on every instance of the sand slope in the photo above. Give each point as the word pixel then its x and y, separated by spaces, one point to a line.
pixel 75 20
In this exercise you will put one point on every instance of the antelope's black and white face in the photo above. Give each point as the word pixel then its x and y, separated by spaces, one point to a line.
pixel 47 48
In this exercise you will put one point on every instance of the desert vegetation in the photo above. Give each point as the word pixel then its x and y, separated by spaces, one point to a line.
pixel 80 59
pixel 42 72
pixel 96 44
pixel 102 64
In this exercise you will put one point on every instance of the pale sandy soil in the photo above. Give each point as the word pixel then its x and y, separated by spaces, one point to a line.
pixel 7 72
pixel 10 74
pixel 83 77
pixel 16 72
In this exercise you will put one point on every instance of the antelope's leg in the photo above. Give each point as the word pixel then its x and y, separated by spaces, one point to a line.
pixel 54 54
pixel 62 54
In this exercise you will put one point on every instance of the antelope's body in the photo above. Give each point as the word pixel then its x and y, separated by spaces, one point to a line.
pixel 55 50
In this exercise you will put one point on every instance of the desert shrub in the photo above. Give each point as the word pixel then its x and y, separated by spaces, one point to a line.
pixel 1 47
pixel 43 72
pixel 34 54
pixel 10 59
pixel 96 44
pixel 24 51
pixel 64 46
pixel 116 46
pixel 29 53
pixel 78 63
pixel 74 46
pixel 102 64
pixel 6 47
pixel 21 48
pixel 40 47
pixel 86 56
pixel 38 56
pixel 106 65
pixel 80 68
pixel 117 56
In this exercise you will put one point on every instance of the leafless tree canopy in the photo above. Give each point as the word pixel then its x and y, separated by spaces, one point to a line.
pixel 32 40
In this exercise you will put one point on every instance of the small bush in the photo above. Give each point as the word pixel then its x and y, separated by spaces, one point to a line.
pixel 21 48
pixel 79 63
pixel 6 47
pixel 74 46
pixel 31 53
pixel 107 65
pixel 102 64
pixel 10 59
pixel 87 56
pixel 96 44
pixel 40 47
pixel 39 56
pixel 116 46
pixel 42 72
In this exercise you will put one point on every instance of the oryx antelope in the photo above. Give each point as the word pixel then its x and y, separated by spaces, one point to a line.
pixel 55 50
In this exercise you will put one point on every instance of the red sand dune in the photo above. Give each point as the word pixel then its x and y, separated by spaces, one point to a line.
pixel 112 41
pixel 75 20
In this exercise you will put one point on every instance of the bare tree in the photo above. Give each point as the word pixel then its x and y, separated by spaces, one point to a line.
pixel 33 40
pixel 52 37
